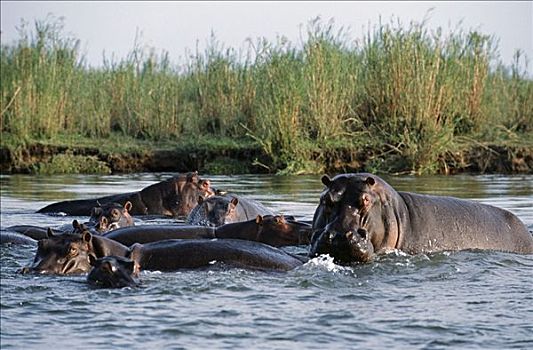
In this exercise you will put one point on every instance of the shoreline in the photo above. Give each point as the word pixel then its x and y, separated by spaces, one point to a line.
pixel 223 158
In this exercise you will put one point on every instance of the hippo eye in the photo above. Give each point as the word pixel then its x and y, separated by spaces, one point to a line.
pixel 114 212
pixel 73 251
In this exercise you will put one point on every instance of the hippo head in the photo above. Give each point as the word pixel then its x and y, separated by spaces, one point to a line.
pixel 190 191
pixel 214 211
pixel 111 272
pixel 355 217
pixel 344 239
pixel 66 253
pixel 277 230
pixel 111 216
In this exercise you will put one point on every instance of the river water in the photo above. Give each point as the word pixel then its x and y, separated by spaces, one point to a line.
pixel 457 300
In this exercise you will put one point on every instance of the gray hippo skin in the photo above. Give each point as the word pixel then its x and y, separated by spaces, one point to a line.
pixel 220 210
pixel 15 238
pixel 174 197
pixel 71 253
pixel 360 215
pixel 174 254
pixel 274 230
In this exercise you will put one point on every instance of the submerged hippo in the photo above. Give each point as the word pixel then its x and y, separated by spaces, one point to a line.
pixel 111 216
pixel 360 215
pixel 15 238
pixel 274 230
pixel 219 210
pixel 104 218
pixel 70 253
pixel 173 197
pixel 111 272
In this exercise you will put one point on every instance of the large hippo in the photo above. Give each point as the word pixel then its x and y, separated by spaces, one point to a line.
pixel 70 253
pixel 360 215
pixel 219 210
pixel 104 218
pixel 173 197
pixel 274 230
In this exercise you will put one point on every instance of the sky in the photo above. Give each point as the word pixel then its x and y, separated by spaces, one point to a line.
pixel 179 27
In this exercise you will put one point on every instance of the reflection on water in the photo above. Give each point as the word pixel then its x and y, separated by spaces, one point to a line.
pixel 444 300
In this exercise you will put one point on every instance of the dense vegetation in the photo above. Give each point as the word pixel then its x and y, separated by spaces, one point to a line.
pixel 405 96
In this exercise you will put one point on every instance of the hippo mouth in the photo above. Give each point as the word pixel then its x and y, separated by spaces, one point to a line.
pixel 351 246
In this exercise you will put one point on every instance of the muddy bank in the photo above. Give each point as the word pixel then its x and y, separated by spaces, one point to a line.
pixel 36 157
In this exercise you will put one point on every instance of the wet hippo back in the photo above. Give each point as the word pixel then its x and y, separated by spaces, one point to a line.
pixel 15 238
pixel 447 223
pixel 185 254
pixel 153 233
pixel 219 210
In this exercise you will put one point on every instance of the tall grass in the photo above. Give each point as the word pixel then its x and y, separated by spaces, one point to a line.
pixel 405 95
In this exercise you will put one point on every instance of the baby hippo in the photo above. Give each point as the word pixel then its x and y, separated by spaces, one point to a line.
pixel 111 272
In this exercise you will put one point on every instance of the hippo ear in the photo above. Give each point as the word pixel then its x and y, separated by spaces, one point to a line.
pixel 128 206
pixel 259 219
pixel 103 222
pixel 235 201
pixel 370 181
pixel 366 200
pixel 75 224
pixel 87 237
pixel 96 211
pixel 49 233
pixel 326 180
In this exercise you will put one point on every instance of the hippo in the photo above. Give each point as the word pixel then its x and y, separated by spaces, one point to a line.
pixel 219 210
pixel 174 197
pixel 104 218
pixel 70 253
pixel 111 216
pixel 360 215
pixel 111 272
pixel 174 254
pixel 15 238
pixel 274 230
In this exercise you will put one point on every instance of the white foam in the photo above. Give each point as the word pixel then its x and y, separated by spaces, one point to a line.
pixel 326 261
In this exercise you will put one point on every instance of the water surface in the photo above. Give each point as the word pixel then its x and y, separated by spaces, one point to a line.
pixel 445 300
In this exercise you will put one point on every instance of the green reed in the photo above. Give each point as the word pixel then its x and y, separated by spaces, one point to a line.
pixel 405 95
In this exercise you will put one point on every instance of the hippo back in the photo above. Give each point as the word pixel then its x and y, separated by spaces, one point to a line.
pixel 446 223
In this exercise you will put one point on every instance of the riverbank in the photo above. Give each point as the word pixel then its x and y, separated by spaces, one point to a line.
pixel 405 99
pixel 120 154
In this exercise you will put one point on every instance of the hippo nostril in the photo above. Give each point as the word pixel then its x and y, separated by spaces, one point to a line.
pixel 362 232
